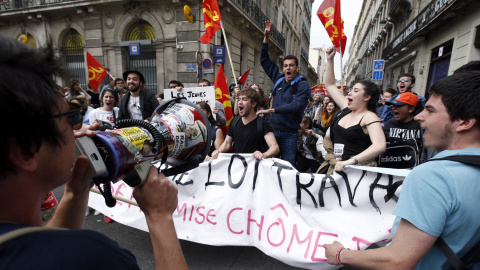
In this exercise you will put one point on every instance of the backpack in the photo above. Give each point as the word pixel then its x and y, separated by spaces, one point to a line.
pixel 293 91
pixel 400 155
pixel 471 260
pixel 261 144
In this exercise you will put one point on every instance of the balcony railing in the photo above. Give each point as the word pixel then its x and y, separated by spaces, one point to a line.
pixel 11 5
pixel 256 14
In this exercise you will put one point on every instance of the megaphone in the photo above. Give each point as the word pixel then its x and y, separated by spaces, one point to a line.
pixel 178 136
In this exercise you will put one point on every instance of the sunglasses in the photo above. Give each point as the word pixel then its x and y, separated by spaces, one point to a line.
pixel 74 115
pixel 404 80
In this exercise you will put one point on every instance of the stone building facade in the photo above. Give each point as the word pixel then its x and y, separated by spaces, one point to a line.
pixel 169 45
pixel 428 38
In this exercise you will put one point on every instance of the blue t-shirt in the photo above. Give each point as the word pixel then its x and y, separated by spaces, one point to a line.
pixel 68 249
pixel 441 199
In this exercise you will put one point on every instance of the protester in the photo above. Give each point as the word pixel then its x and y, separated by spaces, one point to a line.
pixel 387 95
pixel 75 89
pixel 308 156
pixel 405 83
pixel 438 198
pixel 290 97
pixel 313 105
pixel 358 137
pixel 318 112
pixel 217 134
pixel 94 98
pixel 404 127
pixel 39 156
pixel 326 116
pixel 119 89
pixel 175 84
pixel 243 132
pixel 136 104
pixel 107 113
pixel 218 109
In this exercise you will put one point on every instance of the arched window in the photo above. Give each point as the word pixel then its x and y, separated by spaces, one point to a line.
pixel 146 61
pixel 72 50
pixel 411 68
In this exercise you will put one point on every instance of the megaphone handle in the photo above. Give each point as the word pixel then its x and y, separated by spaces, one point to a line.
pixel 106 193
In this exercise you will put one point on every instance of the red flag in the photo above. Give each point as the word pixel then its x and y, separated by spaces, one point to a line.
pixel 211 19
pixel 96 72
pixel 222 95
pixel 330 15
pixel 243 78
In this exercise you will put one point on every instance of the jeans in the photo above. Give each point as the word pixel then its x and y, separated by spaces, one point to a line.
pixel 287 141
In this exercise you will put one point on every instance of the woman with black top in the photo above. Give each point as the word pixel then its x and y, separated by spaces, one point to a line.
pixel 217 134
pixel 358 136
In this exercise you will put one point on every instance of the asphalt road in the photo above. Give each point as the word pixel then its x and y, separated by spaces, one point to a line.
pixel 198 256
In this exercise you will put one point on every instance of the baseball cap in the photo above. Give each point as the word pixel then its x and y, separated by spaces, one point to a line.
pixel 406 98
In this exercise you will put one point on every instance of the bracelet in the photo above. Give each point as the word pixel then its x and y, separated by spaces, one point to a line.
pixel 355 160
pixel 337 256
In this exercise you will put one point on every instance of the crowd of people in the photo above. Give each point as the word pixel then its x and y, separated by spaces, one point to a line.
pixel 313 133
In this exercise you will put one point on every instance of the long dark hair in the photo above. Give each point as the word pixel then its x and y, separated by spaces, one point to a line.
pixel 71 88
pixel 206 107
pixel 372 90
pixel 115 96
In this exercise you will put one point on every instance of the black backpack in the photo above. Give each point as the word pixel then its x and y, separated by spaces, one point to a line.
pixel 471 260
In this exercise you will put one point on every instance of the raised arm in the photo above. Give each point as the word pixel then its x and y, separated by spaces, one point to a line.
pixel 330 80
pixel 158 199
pixel 266 33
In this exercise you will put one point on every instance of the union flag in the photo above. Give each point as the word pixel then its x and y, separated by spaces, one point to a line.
pixel 222 95
pixel 211 19
pixel 330 15
pixel 96 72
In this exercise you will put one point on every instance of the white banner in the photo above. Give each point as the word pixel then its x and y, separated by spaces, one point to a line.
pixel 238 200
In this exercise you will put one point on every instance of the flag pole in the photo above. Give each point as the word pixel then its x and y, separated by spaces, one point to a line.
pixel 341 67
pixel 228 52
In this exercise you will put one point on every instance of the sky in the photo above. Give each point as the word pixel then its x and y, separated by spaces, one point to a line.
pixel 350 10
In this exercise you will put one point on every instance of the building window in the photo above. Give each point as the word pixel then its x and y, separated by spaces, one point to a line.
pixel 411 68
pixel 146 62
pixel 72 50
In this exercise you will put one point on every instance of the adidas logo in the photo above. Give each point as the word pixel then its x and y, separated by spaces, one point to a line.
pixel 396 158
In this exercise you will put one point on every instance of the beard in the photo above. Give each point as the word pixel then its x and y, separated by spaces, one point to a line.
pixel 134 89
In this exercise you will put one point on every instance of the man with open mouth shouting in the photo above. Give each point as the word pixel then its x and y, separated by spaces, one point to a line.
pixel 289 98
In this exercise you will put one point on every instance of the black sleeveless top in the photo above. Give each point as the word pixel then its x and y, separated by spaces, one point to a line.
pixel 349 142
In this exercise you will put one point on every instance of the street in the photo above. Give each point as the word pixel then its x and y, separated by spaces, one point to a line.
pixel 198 256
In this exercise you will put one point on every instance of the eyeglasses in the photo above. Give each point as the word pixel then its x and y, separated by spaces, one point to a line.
pixel 404 80
pixel 74 115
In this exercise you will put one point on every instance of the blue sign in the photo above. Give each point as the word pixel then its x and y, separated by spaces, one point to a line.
pixel 377 75
pixel 378 64
pixel 219 60
pixel 134 48
pixel 191 67
pixel 219 51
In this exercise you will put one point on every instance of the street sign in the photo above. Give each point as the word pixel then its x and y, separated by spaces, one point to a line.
pixel 207 63
pixel 219 60
pixel 219 51
pixel 134 48
pixel 378 64
pixel 377 75
pixel 191 67
pixel 208 71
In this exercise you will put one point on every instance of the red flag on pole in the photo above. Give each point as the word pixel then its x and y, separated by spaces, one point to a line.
pixel 243 78
pixel 330 15
pixel 211 19
pixel 96 72
pixel 222 95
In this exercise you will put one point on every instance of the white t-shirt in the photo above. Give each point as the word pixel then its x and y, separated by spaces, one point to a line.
pixel 99 114
pixel 134 108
